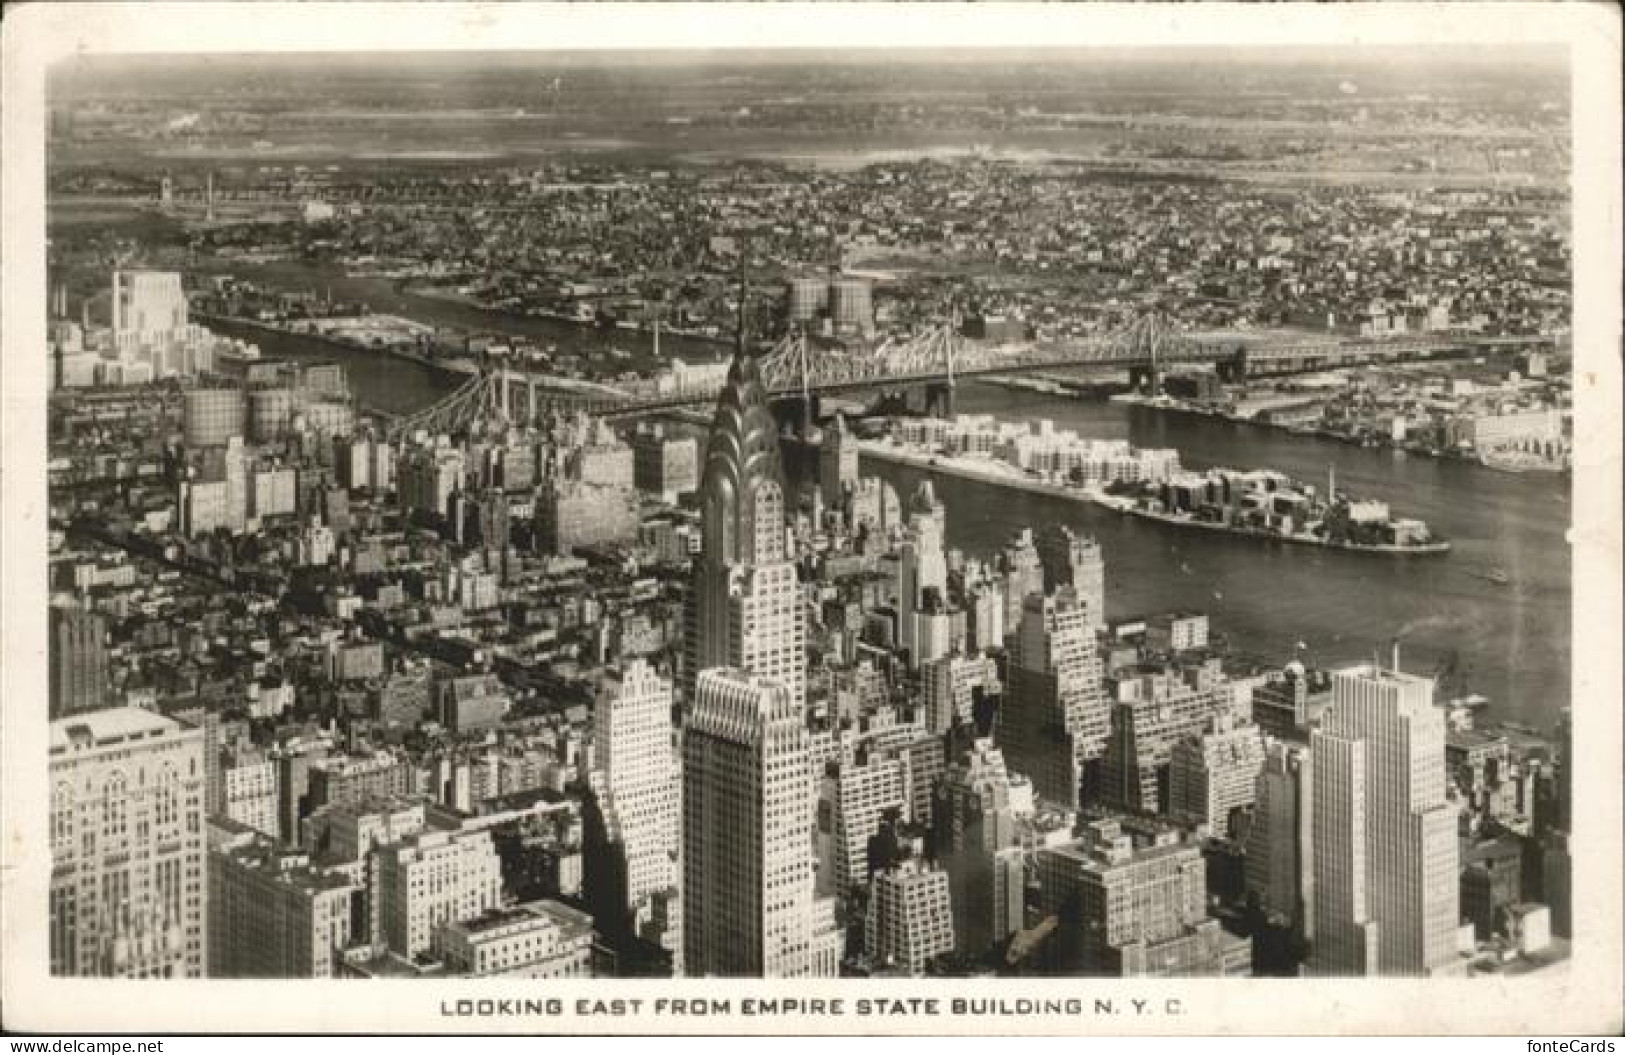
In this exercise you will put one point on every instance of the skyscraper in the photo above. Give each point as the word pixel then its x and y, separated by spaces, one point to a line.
pixel 1132 902
pixel 1280 841
pixel 635 780
pixel 149 313
pixel 746 601
pixel 748 898
pixel 1385 855
pixel 973 836
pixel 1023 575
pixel 78 661
pixel 1054 718
pixel 1072 560
pixel 1212 775
pixel 127 855
pixel 910 919
pixel 854 796
pixel 1153 709
pixel 923 589
pixel 837 461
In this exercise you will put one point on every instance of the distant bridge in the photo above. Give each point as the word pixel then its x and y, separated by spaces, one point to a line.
pixel 795 370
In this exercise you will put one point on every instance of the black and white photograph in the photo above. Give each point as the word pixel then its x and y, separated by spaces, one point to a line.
pixel 978 522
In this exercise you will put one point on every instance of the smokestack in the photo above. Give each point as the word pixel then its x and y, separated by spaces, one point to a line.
pixel 1396 655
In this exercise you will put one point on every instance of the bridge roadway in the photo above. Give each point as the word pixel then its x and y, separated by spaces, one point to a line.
pixel 936 360
pixel 840 375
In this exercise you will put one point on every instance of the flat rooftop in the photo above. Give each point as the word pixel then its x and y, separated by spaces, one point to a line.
pixel 116 725
pixel 565 918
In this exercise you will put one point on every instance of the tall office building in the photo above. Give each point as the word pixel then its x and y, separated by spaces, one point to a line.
pixel 638 791
pixel 748 900
pixel 1281 839
pixel 1132 903
pixel 665 465
pixel 910 920
pixel 150 305
pixel 1212 775
pixel 127 854
pixel 922 588
pixel 745 603
pixel 431 879
pixel 271 915
pixel 837 461
pixel 1074 560
pixel 974 838
pixel 1153 709
pixel 853 798
pixel 1023 575
pixel 1053 722
pixel 78 680
pixel 950 684
pixel 1385 854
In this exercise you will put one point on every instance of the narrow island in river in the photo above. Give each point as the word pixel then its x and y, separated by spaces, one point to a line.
pixel 1151 484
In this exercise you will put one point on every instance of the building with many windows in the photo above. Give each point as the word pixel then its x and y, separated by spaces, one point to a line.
pixel 537 939
pixel 1053 723
pixel 974 837
pixel 1212 775
pixel 78 661
pixel 854 796
pixel 748 898
pixel 429 879
pixel 273 915
pixel 909 919
pixel 1280 840
pixel 745 603
pixel 637 792
pixel 127 895
pixel 1385 856
pixel 1131 902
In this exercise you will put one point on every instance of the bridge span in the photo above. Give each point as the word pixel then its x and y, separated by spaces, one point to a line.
pixel 796 369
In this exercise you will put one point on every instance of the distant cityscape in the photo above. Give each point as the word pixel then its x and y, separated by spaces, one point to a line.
pixel 388 638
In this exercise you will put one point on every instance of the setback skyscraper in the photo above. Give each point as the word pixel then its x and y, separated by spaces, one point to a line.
pixel 634 773
pixel 1385 855
pixel 1054 720
pixel 749 907
pixel 127 868
pixel 746 602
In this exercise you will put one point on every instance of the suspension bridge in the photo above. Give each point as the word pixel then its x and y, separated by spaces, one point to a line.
pixel 799 371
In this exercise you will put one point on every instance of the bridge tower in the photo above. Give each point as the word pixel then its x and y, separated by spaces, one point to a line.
pixel 1233 370
pixel 939 401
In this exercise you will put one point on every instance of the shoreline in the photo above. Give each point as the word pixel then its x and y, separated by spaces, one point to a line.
pixel 445 294
pixel 337 342
pixel 1000 477
pixel 1169 405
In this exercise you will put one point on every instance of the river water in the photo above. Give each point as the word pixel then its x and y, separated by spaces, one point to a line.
pixel 1510 642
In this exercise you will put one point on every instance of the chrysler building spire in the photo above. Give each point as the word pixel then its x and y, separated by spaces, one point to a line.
pixel 742 489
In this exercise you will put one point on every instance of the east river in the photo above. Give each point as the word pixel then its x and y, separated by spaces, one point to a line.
pixel 1511 642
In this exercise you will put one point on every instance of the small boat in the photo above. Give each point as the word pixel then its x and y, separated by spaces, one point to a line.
pixel 1495 575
